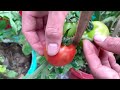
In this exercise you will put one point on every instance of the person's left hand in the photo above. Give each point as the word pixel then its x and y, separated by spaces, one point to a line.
pixel 101 62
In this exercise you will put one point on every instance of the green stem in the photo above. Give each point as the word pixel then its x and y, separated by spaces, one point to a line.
pixel 45 72
pixel 34 75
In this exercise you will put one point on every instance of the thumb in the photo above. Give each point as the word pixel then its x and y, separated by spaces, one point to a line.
pixel 111 44
pixel 54 31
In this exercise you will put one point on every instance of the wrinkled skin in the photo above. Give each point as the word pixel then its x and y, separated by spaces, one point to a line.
pixel 100 58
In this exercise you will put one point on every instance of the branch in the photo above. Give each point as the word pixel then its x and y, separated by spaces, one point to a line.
pixel 117 29
pixel 84 19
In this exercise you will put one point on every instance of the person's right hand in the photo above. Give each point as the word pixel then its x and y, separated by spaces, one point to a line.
pixel 100 58
pixel 44 29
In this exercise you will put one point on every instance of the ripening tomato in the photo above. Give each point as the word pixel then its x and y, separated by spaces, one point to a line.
pixel 98 29
pixel 63 57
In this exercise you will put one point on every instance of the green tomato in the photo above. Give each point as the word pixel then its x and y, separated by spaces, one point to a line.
pixel 71 27
pixel 98 29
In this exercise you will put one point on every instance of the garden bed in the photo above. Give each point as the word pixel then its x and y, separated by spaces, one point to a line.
pixel 15 62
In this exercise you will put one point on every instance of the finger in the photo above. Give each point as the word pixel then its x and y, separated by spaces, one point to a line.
pixel 113 63
pixel 45 21
pixel 91 56
pixel 111 44
pixel 37 14
pixel 29 30
pixel 98 70
pixel 103 55
pixel 54 31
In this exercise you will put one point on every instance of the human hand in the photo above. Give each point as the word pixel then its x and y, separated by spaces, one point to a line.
pixel 100 58
pixel 42 28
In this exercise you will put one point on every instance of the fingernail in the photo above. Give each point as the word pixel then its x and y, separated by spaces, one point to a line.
pixel 52 49
pixel 99 38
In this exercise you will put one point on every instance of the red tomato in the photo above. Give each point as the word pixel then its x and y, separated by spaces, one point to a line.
pixel 8 26
pixel 63 57
pixel 20 12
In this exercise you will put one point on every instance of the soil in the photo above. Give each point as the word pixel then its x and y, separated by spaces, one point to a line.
pixel 14 59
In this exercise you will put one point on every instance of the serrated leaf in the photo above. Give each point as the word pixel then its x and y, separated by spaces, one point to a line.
pixel 2 24
pixel 26 49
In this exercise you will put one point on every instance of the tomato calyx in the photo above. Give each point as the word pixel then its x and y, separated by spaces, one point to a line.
pixel 66 40
pixel 90 26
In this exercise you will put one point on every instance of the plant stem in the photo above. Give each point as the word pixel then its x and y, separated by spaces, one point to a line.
pixel 34 75
pixel 84 19
pixel 117 29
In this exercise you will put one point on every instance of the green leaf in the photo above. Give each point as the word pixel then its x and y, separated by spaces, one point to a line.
pixel 22 39
pixel 2 69
pixel 2 24
pixel 66 68
pixel 97 15
pixel 78 13
pixel 52 75
pixel 26 49
pixel 1 59
pixel 41 59
pixel 50 67
pixel 14 18
pixel 11 74
pixel 59 70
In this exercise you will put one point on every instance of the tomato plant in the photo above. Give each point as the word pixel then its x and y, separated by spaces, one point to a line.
pixel 10 29
pixel 51 67
pixel 63 57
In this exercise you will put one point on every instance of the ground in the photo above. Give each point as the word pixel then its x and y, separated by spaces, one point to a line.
pixel 14 59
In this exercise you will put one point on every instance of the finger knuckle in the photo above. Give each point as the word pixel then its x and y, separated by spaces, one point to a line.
pixel 53 33
pixel 110 42
pixel 114 43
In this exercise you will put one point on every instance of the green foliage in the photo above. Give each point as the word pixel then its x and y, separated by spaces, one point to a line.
pixel 11 74
pixel 2 24
pixel 14 33
pixel 44 69
pixel 2 69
